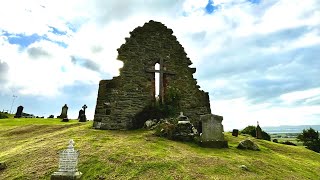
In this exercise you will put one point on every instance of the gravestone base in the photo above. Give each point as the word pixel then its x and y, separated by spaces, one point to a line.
pixel 214 144
pixel 83 118
pixel 66 175
pixel 65 120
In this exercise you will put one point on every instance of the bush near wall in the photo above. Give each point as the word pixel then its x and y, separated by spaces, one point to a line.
pixel 251 130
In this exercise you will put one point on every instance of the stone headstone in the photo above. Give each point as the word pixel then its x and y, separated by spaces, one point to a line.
pixel 83 118
pixel 212 132
pixel 82 114
pixel 68 161
pixel 64 112
pixel 248 144
pixel 184 131
pixel 19 112
pixel 235 132
pixel 258 131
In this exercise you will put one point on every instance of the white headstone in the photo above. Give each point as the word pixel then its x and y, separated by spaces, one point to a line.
pixel 182 119
pixel 68 161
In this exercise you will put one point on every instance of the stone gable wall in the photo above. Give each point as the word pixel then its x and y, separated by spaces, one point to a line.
pixel 121 98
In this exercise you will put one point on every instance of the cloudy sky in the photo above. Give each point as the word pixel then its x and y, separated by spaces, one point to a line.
pixel 258 59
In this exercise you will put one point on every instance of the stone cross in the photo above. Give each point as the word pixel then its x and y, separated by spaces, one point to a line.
pixel 68 162
pixel 68 159
pixel 258 131
pixel 82 114
pixel 84 108
pixel 162 71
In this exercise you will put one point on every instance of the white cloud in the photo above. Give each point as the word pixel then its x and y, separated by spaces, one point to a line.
pixel 239 113
pixel 242 51
pixel 300 95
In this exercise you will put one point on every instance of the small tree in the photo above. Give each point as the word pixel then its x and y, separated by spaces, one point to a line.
pixel 310 139
pixel 251 130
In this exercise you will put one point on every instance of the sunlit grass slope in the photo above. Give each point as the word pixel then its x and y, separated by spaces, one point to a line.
pixel 30 147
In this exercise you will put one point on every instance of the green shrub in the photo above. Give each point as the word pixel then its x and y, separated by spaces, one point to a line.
pixel 172 97
pixel 251 130
pixel 158 110
pixel 310 139
pixel 165 129
pixel 3 115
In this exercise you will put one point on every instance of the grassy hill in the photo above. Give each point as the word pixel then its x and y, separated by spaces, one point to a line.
pixel 30 147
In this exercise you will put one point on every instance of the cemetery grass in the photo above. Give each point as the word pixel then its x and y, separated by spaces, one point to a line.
pixel 29 147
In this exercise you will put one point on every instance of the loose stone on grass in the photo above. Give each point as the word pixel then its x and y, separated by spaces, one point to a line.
pixel 244 167
pixel 3 166
pixel 248 144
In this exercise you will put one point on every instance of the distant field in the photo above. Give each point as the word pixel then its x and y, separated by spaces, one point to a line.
pixel 289 129
pixel 282 137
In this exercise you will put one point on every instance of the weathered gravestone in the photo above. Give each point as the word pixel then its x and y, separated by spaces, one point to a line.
pixel 235 132
pixel 65 120
pixel 258 131
pixel 184 130
pixel 64 112
pixel 19 112
pixel 51 116
pixel 121 100
pixel 68 161
pixel 82 114
pixel 212 131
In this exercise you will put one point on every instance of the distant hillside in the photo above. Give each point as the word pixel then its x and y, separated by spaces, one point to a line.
pixel 289 129
pixel 30 146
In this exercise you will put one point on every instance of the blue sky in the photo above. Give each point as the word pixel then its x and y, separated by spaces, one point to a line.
pixel 258 59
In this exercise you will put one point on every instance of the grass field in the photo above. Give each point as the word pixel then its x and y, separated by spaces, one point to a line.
pixel 30 147
pixel 282 137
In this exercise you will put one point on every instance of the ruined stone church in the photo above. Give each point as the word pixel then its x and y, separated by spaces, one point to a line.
pixel 121 99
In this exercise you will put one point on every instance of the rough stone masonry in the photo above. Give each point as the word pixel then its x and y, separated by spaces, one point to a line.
pixel 123 97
